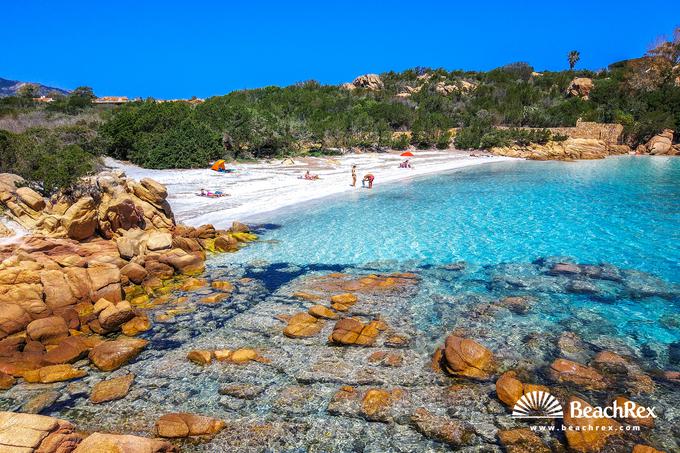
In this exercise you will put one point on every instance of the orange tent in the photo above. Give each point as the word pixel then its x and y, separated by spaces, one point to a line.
pixel 407 154
pixel 219 165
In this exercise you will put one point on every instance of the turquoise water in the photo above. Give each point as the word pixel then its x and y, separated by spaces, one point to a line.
pixel 624 211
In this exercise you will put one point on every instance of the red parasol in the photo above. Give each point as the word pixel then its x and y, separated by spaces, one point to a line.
pixel 407 154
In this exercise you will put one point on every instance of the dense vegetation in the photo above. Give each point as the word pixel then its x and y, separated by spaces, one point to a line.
pixel 422 107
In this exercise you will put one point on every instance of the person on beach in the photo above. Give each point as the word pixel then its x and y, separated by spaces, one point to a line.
pixel 354 175
pixel 368 178
pixel 309 176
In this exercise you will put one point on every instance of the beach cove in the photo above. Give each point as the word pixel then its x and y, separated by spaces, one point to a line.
pixel 353 311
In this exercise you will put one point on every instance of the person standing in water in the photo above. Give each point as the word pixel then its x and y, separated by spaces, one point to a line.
pixel 368 178
pixel 354 175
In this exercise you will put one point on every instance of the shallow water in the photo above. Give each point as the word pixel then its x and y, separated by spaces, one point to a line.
pixel 624 211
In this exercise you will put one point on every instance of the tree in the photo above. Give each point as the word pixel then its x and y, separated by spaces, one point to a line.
pixel 574 56
pixel 83 92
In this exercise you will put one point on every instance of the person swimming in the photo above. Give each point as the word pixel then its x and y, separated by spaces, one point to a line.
pixel 369 179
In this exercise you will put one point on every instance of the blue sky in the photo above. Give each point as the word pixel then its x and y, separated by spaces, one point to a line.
pixel 176 49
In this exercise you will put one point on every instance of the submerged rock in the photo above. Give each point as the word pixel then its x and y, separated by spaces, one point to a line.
pixel 588 434
pixel 442 429
pixel 183 424
pixel 465 357
pixel 111 389
pixel 351 331
pixel 117 443
pixel 111 355
pixel 563 370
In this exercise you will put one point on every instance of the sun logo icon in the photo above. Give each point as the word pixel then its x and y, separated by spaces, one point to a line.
pixel 537 404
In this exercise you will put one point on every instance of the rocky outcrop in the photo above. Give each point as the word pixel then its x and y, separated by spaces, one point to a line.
pixel 581 87
pixel 660 144
pixel 27 433
pixel 120 204
pixel 460 86
pixel 370 82
pixel 87 269
pixel 570 149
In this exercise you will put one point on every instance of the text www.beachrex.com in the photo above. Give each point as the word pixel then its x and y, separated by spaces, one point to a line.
pixel 584 428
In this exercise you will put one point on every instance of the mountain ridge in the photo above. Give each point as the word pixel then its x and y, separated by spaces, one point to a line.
pixel 11 87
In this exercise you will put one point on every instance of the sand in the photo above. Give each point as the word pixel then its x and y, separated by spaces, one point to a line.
pixel 258 188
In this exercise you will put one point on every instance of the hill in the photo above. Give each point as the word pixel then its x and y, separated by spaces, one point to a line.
pixel 11 87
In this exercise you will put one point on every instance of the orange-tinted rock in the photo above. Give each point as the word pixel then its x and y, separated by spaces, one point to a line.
pixel 50 330
pixel 36 433
pixel 563 370
pixel 54 373
pixel 116 314
pixel 111 355
pixel 588 434
pixel 639 448
pixel 375 403
pixel 465 357
pixel 509 389
pixel 323 312
pixel 351 331
pixel 134 272
pixel 200 357
pixel 223 286
pixel 245 355
pixel 179 425
pixel 68 350
pixel 522 440
pixel 302 325
pixel 135 326
pixel 116 443
pixel 13 318
pixel 111 389
pixel 641 417
pixel 6 381
pixel 342 302
pixel 213 299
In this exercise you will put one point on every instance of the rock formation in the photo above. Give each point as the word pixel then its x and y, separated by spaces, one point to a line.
pixel 570 149
pixel 581 87
pixel 116 204
pixel 370 82
pixel 661 144
pixel 86 269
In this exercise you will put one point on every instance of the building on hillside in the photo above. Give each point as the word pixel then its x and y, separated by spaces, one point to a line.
pixel 43 99
pixel 117 100
pixel 192 101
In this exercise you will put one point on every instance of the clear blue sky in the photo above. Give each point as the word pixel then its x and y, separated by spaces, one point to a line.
pixel 170 49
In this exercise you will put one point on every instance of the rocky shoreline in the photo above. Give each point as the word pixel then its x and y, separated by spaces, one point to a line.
pixel 75 291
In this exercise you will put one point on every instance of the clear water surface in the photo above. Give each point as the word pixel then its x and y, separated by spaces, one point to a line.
pixel 624 211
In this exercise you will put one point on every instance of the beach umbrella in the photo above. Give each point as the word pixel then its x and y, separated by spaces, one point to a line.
pixel 407 154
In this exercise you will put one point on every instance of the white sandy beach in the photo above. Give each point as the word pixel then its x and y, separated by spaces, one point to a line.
pixel 257 188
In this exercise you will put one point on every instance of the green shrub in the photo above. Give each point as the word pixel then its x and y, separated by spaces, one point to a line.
pixel 400 142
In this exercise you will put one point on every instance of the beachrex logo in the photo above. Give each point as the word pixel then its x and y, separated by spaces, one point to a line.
pixel 537 404
pixel 540 404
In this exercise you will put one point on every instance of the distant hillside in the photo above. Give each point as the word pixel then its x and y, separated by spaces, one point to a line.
pixel 10 88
